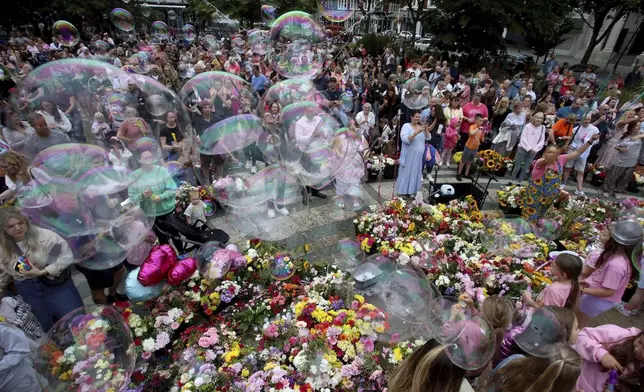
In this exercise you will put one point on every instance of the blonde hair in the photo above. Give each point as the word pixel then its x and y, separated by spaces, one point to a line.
pixel 192 194
pixel 531 374
pixel 12 158
pixel 98 116
pixel 8 245
pixel 428 369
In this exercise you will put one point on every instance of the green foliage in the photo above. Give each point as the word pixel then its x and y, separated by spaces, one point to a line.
pixel 547 28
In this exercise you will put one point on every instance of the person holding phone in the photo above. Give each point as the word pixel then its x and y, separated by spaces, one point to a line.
pixel 46 285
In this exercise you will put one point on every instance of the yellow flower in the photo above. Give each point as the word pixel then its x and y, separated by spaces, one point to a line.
pixel 245 373
pixel 397 354
pixel 359 298
pixel 307 248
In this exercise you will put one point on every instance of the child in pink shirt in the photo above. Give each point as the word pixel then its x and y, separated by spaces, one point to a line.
pixel 564 292
pixel 605 348
pixel 606 282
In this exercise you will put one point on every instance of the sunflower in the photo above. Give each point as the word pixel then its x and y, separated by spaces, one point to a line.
pixel 538 181
pixel 530 200
pixel 489 164
pixel 530 211
pixel 544 200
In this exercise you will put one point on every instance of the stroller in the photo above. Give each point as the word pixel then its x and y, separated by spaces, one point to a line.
pixel 446 192
pixel 190 236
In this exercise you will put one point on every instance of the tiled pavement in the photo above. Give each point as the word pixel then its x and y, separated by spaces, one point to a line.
pixel 323 224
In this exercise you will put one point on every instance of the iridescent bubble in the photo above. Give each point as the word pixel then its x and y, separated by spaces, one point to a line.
pixel 542 334
pixel 66 33
pixel 104 180
pixel 189 32
pixel 286 92
pixel 416 93
pixel 204 257
pixel 259 41
pixel 354 67
pixel 231 135
pixel 407 294
pixel 474 346
pixel 223 86
pixel 211 42
pixel 269 13
pixel 297 59
pixel 501 232
pixel 349 147
pixel 97 336
pixel 156 105
pixel 281 267
pixel 116 104
pixel 346 100
pixel 70 160
pixel 160 30
pixel 296 25
pixel 122 19
pixel 209 209
pixel 140 62
pixel 348 254
pixel 148 144
pixel 548 229
pixel 333 11
pixel 146 10
pixel 172 15
pixel 101 47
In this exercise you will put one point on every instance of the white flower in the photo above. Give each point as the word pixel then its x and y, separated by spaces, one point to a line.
pixel 252 253
pixel 175 313
pixel 148 344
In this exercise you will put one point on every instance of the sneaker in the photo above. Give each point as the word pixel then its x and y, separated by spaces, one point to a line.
pixel 283 211
pixel 440 164
pixel 468 176
pixel 580 193
pixel 271 213
pixel 562 187
pixel 459 178
pixel 253 169
pixel 356 206
pixel 621 307
pixel 249 164
pixel 447 165
pixel 605 194
pixel 340 206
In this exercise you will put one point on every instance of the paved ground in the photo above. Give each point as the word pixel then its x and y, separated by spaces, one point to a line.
pixel 323 224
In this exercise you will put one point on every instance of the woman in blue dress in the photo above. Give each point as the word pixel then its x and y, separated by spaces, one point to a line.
pixel 411 157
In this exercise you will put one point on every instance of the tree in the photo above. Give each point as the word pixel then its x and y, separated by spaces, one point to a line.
pixel 366 12
pixel 416 9
pixel 595 13
pixel 545 29
pixel 473 27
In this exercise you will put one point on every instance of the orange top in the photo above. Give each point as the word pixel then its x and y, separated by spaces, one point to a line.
pixel 562 128
pixel 474 140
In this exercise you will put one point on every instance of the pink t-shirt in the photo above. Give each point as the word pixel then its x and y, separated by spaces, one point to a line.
pixel 614 274
pixel 556 294
pixel 539 172
pixel 470 111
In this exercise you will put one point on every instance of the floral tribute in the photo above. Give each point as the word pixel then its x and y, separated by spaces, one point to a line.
pixel 491 161
pixel 379 162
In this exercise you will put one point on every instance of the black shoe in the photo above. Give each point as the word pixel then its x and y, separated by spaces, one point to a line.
pixel 459 178
pixel 316 193
pixel 118 297
pixel 468 176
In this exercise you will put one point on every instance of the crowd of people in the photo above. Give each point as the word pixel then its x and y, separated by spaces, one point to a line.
pixel 549 133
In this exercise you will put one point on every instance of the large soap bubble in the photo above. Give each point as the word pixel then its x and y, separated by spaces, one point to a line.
pixel 91 348
pixel 189 32
pixel 269 13
pixel 286 92
pixel 474 346
pixel 296 25
pixel 66 33
pixel 333 11
pixel 122 19
pixel 159 30
pixel 543 333
pixel 348 254
pixel 637 257
pixel 501 232
pixel 416 93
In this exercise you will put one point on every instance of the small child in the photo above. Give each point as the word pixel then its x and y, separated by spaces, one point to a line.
pixel 451 138
pixel 196 210
pixel 564 292
pixel 100 128
pixel 551 116
pixel 347 181
pixel 431 157
pixel 471 147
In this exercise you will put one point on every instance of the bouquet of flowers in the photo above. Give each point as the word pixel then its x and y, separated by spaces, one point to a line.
pixel 511 196
pixel 227 187
pixel 379 162
pixel 90 349
pixel 491 161
pixel 183 195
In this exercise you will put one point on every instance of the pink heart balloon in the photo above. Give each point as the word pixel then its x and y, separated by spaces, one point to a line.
pixel 156 266
pixel 181 271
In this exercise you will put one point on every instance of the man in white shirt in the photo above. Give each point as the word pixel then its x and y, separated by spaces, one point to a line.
pixel 587 78
pixel 414 70
pixel 366 121
pixel 582 134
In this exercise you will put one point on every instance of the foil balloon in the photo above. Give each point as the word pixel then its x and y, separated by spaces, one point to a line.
pixel 182 271
pixel 137 292
pixel 156 266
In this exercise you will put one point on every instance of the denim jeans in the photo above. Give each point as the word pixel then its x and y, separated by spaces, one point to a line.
pixel 49 303
pixel 523 157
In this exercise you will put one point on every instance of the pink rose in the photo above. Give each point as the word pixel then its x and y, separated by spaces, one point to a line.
pixel 204 341
pixel 146 355
pixel 174 325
